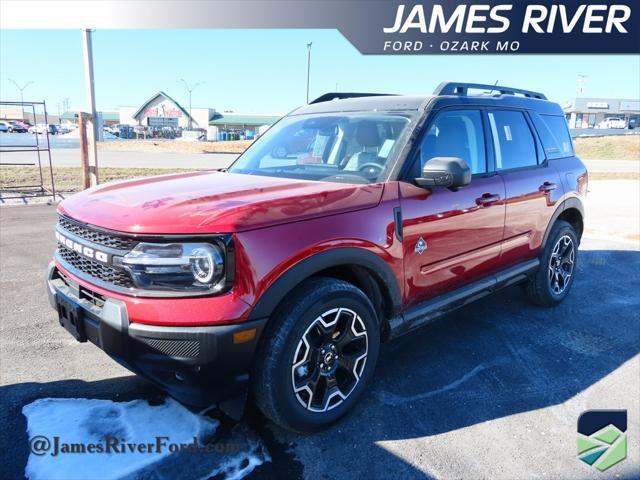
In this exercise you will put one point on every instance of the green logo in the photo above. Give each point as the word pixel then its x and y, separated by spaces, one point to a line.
pixel 602 438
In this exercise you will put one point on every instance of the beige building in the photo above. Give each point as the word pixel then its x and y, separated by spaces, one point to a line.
pixel 26 114
pixel 163 111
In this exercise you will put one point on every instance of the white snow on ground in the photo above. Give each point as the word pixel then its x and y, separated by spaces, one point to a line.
pixel 76 134
pixel 89 421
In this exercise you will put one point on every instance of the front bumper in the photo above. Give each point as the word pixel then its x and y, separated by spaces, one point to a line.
pixel 196 365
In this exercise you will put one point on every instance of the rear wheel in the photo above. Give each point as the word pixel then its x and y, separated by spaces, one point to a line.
pixel 318 355
pixel 556 273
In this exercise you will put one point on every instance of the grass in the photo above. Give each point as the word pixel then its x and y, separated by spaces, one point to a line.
pixel 616 147
pixel 67 179
pixel 175 146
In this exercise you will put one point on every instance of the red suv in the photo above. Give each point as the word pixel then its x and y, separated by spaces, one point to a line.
pixel 282 275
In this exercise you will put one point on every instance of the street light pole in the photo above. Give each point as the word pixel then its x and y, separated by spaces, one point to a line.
pixel 21 88
pixel 582 79
pixel 190 89
pixel 308 67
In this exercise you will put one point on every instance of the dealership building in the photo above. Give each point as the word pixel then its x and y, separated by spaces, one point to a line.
pixel 589 112
pixel 161 110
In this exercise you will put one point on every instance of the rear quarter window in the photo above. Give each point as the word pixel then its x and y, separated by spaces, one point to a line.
pixel 554 135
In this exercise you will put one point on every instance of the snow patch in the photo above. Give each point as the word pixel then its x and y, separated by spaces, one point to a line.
pixel 90 421
pixel 76 134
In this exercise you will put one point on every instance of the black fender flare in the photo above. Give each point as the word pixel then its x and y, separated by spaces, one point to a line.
pixel 571 202
pixel 336 257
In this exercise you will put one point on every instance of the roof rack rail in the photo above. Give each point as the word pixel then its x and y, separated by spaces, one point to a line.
pixel 457 88
pixel 327 97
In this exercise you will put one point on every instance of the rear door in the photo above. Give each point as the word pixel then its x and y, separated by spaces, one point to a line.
pixel 533 186
pixel 451 238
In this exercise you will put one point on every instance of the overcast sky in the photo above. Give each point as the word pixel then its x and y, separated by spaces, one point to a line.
pixel 264 71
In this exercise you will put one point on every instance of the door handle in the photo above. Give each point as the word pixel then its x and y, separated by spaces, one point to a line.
pixel 487 199
pixel 547 187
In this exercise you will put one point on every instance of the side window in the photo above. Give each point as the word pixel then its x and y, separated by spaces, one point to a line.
pixel 456 133
pixel 512 140
pixel 554 133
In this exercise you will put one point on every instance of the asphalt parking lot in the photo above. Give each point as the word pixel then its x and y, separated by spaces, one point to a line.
pixel 492 391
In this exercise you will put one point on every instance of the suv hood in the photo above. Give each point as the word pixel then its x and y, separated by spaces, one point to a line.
pixel 213 202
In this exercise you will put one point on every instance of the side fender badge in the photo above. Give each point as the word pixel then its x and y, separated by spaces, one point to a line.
pixel 421 246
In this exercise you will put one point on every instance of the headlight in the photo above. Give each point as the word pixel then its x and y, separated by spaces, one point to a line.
pixel 177 266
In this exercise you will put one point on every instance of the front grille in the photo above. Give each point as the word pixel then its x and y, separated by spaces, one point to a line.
pixel 97 270
pixel 96 236
pixel 83 292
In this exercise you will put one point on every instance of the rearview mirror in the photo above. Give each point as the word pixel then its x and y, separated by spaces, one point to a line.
pixel 450 172
pixel 279 152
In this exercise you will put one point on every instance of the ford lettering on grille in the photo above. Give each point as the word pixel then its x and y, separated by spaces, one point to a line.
pixel 83 250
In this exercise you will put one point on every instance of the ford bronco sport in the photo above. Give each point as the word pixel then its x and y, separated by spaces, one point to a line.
pixel 353 220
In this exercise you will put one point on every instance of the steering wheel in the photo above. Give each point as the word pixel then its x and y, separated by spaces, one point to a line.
pixel 370 165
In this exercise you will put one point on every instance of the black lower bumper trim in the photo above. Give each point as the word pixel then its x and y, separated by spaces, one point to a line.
pixel 196 365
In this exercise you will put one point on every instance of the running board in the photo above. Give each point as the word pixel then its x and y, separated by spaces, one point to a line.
pixel 426 312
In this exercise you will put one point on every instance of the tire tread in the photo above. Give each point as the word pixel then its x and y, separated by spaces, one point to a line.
pixel 275 337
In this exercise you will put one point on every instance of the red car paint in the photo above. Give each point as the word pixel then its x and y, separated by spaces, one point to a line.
pixel 213 202
pixel 278 222
pixel 336 207
pixel 465 240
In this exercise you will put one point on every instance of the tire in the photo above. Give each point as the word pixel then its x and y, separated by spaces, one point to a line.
pixel 295 345
pixel 558 263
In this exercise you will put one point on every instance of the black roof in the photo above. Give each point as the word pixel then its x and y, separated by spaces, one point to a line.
pixel 446 94
pixel 363 104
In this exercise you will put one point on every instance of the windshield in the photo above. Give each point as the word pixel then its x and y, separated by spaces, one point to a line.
pixel 344 147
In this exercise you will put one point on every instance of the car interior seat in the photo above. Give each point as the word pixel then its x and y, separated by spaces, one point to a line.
pixel 368 138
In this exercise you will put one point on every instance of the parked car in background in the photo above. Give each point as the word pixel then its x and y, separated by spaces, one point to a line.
pixel 62 129
pixel 4 127
pixel 43 128
pixel 16 126
pixel 613 122
pixel 112 129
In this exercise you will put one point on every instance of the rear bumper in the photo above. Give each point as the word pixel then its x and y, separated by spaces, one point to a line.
pixel 196 365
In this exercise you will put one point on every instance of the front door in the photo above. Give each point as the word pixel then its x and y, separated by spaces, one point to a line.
pixel 451 238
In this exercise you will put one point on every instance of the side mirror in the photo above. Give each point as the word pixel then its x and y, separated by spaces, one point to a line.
pixel 450 172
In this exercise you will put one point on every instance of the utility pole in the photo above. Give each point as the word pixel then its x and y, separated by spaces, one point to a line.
pixel 91 100
pixel 308 67
pixel 190 89
pixel 21 88
pixel 582 79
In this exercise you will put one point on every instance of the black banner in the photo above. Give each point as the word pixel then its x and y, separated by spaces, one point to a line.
pixel 374 27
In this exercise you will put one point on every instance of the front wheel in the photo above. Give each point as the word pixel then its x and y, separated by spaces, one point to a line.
pixel 317 355
pixel 557 270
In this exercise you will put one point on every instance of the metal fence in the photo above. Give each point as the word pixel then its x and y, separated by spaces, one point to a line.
pixel 36 153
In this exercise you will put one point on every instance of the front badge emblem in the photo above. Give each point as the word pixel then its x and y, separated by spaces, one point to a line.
pixel 421 246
